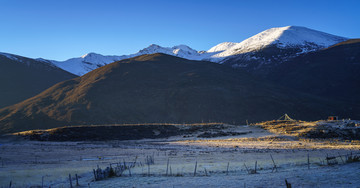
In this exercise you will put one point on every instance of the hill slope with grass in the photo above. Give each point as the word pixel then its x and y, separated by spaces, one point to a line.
pixel 333 73
pixel 161 88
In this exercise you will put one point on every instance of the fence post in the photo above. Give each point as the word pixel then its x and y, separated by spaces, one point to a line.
pixel 77 180
pixel 274 164
pixel 95 175
pixel 255 166
pixel 195 168
pixel 227 168
pixel 70 181
pixel 308 161
pixel 129 172
pixel 341 158
pixel 167 167
pixel 247 169
pixel 288 185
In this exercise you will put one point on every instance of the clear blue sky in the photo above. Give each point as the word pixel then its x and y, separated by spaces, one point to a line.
pixel 61 29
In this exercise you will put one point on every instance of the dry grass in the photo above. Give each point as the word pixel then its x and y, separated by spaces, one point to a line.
pixel 330 130
pixel 38 131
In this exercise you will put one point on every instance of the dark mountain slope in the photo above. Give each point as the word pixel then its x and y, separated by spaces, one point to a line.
pixel 22 78
pixel 262 61
pixel 161 88
pixel 333 72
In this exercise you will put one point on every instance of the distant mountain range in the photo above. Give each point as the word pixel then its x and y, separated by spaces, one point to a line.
pixel 283 42
pixel 295 70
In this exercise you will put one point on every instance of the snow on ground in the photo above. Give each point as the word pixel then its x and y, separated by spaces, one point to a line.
pixel 26 162
pixel 334 176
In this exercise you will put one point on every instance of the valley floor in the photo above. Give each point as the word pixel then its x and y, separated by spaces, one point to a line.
pixel 29 163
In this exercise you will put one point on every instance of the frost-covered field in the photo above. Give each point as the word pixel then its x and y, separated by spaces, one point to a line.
pixel 27 163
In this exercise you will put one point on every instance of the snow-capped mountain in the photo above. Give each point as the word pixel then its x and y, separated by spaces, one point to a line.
pixel 272 45
pixel 180 51
pixel 282 37
pixel 91 61
pixel 86 63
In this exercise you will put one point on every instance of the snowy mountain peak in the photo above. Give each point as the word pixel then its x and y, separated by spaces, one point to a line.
pixel 222 47
pixel 179 50
pixel 91 54
pixel 184 48
pixel 282 37
pixel 296 35
pixel 86 63
pixel 154 48
pixel 290 36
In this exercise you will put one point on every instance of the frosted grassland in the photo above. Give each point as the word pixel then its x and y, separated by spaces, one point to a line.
pixel 33 163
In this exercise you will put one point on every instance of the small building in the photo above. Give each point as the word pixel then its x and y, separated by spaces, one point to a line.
pixel 332 118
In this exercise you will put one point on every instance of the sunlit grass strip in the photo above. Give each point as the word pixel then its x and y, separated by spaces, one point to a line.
pixel 38 131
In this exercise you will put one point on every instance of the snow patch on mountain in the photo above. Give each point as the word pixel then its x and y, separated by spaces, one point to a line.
pixel 28 61
pixel 10 56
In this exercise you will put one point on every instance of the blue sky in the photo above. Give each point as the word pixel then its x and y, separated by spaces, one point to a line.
pixel 59 30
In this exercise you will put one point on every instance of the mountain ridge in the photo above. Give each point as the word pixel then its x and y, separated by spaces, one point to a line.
pixel 21 77
pixel 298 39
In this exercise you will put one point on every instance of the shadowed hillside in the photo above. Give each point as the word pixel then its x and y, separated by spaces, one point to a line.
pixel 161 88
pixel 333 72
pixel 22 78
